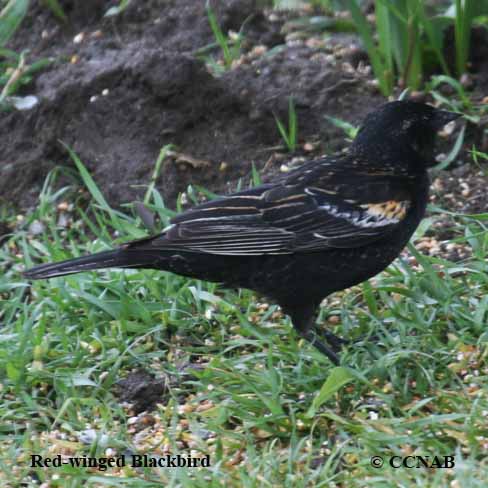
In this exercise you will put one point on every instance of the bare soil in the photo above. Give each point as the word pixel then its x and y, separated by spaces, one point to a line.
pixel 121 88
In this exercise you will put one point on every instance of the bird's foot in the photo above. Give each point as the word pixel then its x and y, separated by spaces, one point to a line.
pixel 365 338
pixel 311 337
pixel 337 342
pixel 334 341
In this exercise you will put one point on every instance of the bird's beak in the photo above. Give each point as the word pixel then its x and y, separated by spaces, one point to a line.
pixel 443 117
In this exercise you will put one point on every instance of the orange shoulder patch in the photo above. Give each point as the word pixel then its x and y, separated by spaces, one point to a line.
pixel 389 210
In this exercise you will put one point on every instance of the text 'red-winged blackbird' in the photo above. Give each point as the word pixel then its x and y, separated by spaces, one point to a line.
pixel 328 225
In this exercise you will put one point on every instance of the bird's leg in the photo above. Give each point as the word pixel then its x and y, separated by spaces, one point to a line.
pixel 303 319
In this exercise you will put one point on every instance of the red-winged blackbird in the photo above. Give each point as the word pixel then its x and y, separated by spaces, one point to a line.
pixel 330 224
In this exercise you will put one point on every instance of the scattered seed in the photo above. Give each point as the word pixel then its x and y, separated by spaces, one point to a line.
pixel 78 39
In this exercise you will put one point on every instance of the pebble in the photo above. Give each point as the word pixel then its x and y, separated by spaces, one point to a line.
pixel 37 228
pixel 467 81
pixel 91 435
pixel 449 128
pixel 63 220
pixel 258 51
pixel 63 206
pixel 417 96
pixel 315 43
pixel 78 39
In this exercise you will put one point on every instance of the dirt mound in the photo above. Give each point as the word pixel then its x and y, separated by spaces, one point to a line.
pixel 129 86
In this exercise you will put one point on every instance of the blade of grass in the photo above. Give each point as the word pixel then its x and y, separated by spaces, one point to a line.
pixel 350 130
pixel 93 188
pixel 292 124
pixel 88 180
pixel 383 27
pixel 117 9
pixel 10 18
pixel 219 36
pixel 56 9
pixel 435 36
pixel 412 70
pixel 453 153
pixel 462 33
pixel 379 65
pixel 282 131
pixel 289 135
pixel 338 377
pixel 255 176
pixel 438 80
pixel 157 170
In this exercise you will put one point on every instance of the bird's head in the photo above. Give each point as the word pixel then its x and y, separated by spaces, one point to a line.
pixel 402 127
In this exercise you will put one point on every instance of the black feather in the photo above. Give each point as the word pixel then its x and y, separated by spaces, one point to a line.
pixel 118 258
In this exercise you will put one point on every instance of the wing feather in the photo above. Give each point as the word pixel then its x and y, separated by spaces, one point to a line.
pixel 325 204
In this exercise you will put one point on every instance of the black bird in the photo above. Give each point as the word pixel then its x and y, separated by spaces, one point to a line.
pixel 328 225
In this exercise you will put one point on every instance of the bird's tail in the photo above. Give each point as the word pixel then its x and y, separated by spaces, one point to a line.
pixel 118 258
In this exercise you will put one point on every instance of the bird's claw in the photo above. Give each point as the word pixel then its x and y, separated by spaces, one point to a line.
pixel 334 341
pixel 311 337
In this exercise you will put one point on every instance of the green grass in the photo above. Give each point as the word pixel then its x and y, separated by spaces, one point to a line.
pixel 410 39
pixel 405 42
pixel 230 47
pixel 56 9
pixel 289 133
pixel 12 13
pixel 16 69
pixel 266 407
pixel 118 9
pixel 349 129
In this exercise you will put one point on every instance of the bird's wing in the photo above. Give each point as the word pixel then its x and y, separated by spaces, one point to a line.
pixel 304 212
